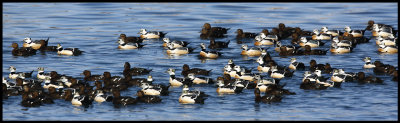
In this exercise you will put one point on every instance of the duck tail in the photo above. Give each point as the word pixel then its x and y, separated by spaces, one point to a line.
pixel 29 74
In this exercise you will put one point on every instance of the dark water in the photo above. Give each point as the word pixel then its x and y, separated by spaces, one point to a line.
pixel 94 28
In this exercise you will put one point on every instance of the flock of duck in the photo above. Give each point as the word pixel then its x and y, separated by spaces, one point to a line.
pixel 47 87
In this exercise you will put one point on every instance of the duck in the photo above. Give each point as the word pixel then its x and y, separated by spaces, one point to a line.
pixel 309 51
pixel 200 80
pixel 89 77
pixel 14 75
pixel 141 97
pixel 314 77
pixel 340 76
pixel 122 100
pixel 208 54
pixel 130 39
pixel 229 88
pixel 254 51
pixel 245 84
pixel 23 51
pixel 144 34
pixel 229 67
pixel 215 29
pixel 387 49
pixel 294 65
pixel 197 71
pixel 333 33
pixel 389 41
pixel 320 36
pixel 101 97
pixel 371 23
pixel 68 51
pixel 48 83
pixel 355 33
pixel 211 33
pixel 263 39
pixel 242 74
pixel 282 31
pixel 79 100
pixel 138 81
pixel 346 43
pixel 29 101
pixel 312 43
pixel 175 81
pixel 362 78
pixel 175 42
pixel 368 64
pixel 218 44
pixel 289 48
pixel 41 74
pixel 34 44
pixel 267 98
pixel 279 74
pixel 241 34
pixel 383 31
pixel 178 50
pixel 307 84
pixel 135 71
pixel 156 90
pixel 191 97
pixel 129 45
pixel 262 84
pixel 340 49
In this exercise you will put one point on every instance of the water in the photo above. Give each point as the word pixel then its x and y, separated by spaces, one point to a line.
pixel 94 28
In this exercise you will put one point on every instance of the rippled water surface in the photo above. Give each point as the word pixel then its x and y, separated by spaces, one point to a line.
pixel 95 27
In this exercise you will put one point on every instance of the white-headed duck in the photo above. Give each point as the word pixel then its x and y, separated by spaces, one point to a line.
pixel 368 64
pixel 14 75
pixel 334 33
pixel 34 44
pixel 253 51
pixel 191 97
pixel 320 36
pixel 68 51
pixel 387 49
pixel 294 65
pixel 355 33
pixel 208 54
pixel 313 43
pixel 175 42
pixel 150 34
pixel 178 50
pixel 129 45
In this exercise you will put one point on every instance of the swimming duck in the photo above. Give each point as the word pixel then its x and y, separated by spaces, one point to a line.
pixel 135 71
pixel 175 81
pixel 389 41
pixel 138 81
pixel 254 51
pixel 23 51
pixel 368 63
pixel 197 71
pixel 130 39
pixel 101 97
pixel 289 48
pixel 208 54
pixel 383 31
pixel 263 39
pixel 215 29
pixel 240 83
pixel 79 100
pixel 141 97
pixel 129 45
pixel 309 51
pixel 218 44
pixel 267 98
pixel 150 34
pixel 241 34
pixel 279 74
pixel 48 83
pixel 191 97
pixel 68 51
pixel 122 100
pixel 355 33
pixel 340 49
pixel 313 43
pixel 294 65
pixel 156 90
pixel 262 84
pixel 14 75
pixel 34 44
pixel 89 77
pixel 229 88
pixel 175 42
pixel 313 85
pixel 282 31
pixel 320 36
pixel 178 50
pixel 41 74
pixel 387 49
pixel 316 76
pixel 241 73
pixel 336 41
pixel 334 33
pixel 340 76
pixel 29 101
pixel 200 80
pixel 361 78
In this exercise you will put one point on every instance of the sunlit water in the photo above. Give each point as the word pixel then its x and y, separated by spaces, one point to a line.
pixel 94 28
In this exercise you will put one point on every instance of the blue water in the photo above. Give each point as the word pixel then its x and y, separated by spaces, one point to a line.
pixel 95 27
